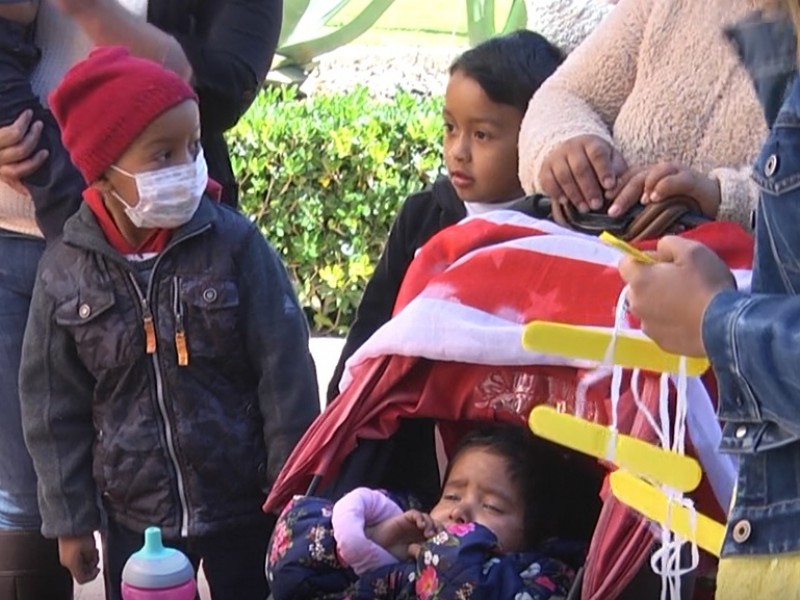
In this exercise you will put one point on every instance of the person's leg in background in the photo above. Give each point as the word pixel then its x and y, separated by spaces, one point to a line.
pixel 29 565
pixel 234 562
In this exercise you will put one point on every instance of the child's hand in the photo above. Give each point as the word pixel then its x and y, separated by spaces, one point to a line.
pixel 658 294
pixel 669 179
pixel 79 555
pixel 398 533
pixel 664 180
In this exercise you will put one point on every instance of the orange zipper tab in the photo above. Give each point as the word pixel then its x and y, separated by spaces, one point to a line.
pixel 149 335
pixel 182 348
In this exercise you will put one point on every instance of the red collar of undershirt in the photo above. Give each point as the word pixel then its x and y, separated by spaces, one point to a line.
pixel 155 242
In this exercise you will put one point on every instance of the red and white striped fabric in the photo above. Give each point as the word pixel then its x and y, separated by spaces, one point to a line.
pixel 453 352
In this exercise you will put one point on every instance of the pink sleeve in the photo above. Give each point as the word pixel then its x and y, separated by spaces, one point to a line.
pixel 351 515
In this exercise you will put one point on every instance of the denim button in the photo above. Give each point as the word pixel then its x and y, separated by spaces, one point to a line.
pixel 741 431
pixel 209 295
pixel 771 166
pixel 741 531
pixel 84 311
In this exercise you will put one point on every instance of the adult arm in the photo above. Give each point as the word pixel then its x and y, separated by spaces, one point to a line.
pixel 231 60
pixel 276 337
pixel 738 195
pixel 753 342
pixel 226 61
pixel 56 394
pixel 585 95
pixel 108 23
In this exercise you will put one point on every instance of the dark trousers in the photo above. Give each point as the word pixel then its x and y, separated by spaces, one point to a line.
pixel 29 568
pixel 233 561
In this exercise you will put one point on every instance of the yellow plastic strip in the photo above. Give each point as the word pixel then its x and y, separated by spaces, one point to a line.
pixel 619 244
pixel 670 468
pixel 652 503
pixel 630 351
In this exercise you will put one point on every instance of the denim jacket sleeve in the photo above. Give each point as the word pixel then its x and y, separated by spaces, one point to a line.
pixel 56 394
pixel 276 337
pixel 753 342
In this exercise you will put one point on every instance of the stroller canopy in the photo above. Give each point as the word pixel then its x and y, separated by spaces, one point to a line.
pixel 452 352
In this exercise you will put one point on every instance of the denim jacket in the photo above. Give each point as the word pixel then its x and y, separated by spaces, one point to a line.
pixel 753 340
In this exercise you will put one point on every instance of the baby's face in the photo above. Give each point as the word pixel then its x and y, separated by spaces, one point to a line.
pixel 479 490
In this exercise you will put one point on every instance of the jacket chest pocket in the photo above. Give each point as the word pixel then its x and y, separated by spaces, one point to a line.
pixel 105 337
pixel 777 174
pixel 208 309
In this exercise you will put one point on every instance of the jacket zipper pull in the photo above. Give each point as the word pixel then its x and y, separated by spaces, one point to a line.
pixel 149 331
pixel 180 343
pixel 181 347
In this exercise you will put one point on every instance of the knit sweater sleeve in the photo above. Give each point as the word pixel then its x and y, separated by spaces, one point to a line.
pixel 586 93
pixel 738 193
pixel 566 24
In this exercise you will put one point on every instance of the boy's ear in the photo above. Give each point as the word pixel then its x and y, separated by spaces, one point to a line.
pixel 102 185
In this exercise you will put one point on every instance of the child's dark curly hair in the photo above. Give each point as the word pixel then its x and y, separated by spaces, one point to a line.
pixel 558 498
pixel 510 68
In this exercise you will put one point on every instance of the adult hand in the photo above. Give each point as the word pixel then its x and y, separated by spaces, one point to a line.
pixel 17 144
pixel 79 555
pixel 581 171
pixel 671 296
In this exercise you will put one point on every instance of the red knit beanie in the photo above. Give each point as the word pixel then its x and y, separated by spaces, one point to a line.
pixel 105 101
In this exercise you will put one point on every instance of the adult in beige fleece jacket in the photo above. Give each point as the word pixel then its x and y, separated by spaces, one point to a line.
pixel 654 103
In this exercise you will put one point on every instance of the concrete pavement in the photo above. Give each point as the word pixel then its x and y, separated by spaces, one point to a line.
pixel 325 352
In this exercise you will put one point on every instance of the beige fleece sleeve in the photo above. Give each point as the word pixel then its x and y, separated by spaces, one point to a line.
pixel 738 193
pixel 585 94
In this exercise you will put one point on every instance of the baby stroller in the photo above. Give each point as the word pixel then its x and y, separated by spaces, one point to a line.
pixel 452 356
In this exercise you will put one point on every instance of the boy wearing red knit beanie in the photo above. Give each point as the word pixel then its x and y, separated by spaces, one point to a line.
pixel 165 373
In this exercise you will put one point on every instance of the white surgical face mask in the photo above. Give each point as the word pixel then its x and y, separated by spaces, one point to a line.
pixel 169 197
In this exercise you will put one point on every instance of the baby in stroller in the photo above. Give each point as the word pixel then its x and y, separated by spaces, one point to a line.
pixel 490 535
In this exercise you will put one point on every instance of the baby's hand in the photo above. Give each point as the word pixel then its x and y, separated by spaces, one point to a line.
pixel 398 533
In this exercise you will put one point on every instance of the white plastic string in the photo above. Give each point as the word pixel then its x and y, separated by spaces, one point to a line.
pixel 620 321
pixel 637 400
pixel 666 561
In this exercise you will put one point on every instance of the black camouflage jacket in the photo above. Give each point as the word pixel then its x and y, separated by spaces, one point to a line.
pixel 109 409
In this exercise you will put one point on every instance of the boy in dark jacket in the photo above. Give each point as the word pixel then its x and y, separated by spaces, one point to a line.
pixel 486 98
pixel 165 368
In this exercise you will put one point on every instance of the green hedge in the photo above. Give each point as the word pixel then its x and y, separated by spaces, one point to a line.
pixel 324 178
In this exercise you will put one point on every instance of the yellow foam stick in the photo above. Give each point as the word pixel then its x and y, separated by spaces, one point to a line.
pixel 653 504
pixel 627 248
pixel 678 471
pixel 631 350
